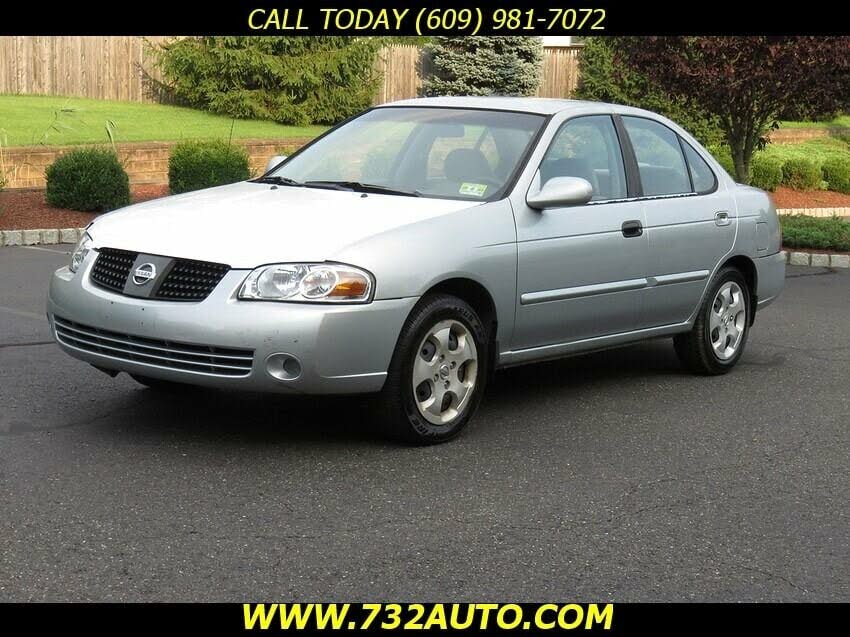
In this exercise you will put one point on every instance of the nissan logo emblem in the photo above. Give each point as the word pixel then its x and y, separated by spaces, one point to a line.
pixel 144 273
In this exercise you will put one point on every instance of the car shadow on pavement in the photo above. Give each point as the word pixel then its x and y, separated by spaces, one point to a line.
pixel 250 418
pixel 607 367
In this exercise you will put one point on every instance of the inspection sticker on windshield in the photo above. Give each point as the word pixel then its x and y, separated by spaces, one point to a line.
pixel 474 190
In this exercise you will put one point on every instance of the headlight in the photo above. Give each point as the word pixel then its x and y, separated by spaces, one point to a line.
pixel 308 282
pixel 80 251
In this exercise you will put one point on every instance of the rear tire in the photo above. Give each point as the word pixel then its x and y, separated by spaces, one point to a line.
pixel 716 342
pixel 438 372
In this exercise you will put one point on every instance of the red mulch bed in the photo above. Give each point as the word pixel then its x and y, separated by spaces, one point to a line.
pixel 27 210
pixel 787 198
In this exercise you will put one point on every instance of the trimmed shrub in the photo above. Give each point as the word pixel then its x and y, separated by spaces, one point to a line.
pixel 836 172
pixel 801 231
pixel 484 65
pixel 801 174
pixel 765 172
pixel 88 179
pixel 194 165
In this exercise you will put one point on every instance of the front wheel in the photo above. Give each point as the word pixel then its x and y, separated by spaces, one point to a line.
pixel 716 342
pixel 438 372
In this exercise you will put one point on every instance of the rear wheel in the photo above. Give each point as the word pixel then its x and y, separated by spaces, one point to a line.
pixel 716 342
pixel 438 372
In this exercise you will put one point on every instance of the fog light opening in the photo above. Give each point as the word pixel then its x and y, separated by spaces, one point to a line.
pixel 283 366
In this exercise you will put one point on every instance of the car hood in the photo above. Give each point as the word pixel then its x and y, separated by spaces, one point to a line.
pixel 249 224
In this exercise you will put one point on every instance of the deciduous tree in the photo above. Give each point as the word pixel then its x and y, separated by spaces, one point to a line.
pixel 602 80
pixel 747 82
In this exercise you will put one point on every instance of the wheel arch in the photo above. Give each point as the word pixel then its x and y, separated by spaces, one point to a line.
pixel 747 268
pixel 479 297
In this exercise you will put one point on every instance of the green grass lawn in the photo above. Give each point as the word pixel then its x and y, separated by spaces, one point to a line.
pixel 32 119
pixel 840 121
pixel 817 150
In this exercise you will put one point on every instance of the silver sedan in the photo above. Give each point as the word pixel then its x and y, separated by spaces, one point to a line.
pixel 416 248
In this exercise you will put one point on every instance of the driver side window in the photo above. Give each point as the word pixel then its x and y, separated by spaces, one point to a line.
pixel 588 147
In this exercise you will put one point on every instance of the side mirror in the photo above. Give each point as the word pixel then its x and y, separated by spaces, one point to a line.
pixel 274 161
pixel 561 191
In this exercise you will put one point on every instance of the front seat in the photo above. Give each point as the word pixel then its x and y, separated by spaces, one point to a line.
pixel 467 165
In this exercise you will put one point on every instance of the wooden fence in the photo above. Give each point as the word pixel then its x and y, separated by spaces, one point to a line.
pixel 99 67
pixel 560 71
pixel 110 67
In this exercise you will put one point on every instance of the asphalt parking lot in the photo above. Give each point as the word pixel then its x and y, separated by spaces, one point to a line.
pixel 612 476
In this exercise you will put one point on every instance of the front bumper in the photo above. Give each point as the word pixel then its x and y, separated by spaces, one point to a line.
pixel 341 349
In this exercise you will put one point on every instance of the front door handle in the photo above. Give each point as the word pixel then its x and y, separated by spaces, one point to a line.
pixel 632 228
pixel 721 218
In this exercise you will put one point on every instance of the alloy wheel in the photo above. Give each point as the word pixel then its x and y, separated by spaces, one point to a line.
pixel 727 320
pixel 444 371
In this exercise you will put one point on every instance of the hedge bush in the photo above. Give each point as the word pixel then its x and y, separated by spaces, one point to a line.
pixel 194 165
pixel 801 174
pixel 836 172
pixel 88 179
pixel 765 172
pixel 801 231
pixel 723 157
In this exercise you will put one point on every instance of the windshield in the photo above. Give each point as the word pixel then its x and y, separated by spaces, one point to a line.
pixel 428 152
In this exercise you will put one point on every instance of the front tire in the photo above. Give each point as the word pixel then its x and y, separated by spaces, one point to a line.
pixel 716 342
pixel 438 372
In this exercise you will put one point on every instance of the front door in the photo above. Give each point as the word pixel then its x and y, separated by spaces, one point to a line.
pixel 581 269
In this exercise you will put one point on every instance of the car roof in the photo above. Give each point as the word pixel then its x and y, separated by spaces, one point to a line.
pixel 539 105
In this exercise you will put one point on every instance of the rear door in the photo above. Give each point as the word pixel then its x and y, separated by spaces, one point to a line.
pixel 690 221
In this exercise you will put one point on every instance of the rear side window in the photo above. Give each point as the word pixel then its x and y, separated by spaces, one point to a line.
pixel 659 156
pixel 588 147
pixel 702 176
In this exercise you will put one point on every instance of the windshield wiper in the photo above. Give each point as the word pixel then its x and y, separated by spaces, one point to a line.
pixel 277 180
pixel 358 186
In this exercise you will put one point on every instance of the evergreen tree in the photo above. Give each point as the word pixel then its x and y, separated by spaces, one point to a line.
pixel 291 80
pixel 482 65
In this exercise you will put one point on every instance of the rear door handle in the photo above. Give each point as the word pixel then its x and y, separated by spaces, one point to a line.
pixel 722 218
pixel 632 228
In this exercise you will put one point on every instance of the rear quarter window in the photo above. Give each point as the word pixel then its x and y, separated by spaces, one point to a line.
pixel 701 173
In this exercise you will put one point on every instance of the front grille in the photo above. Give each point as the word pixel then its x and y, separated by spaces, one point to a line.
pixel 202 359
pixel 183 280
pixel 191 280
pixel 112 268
